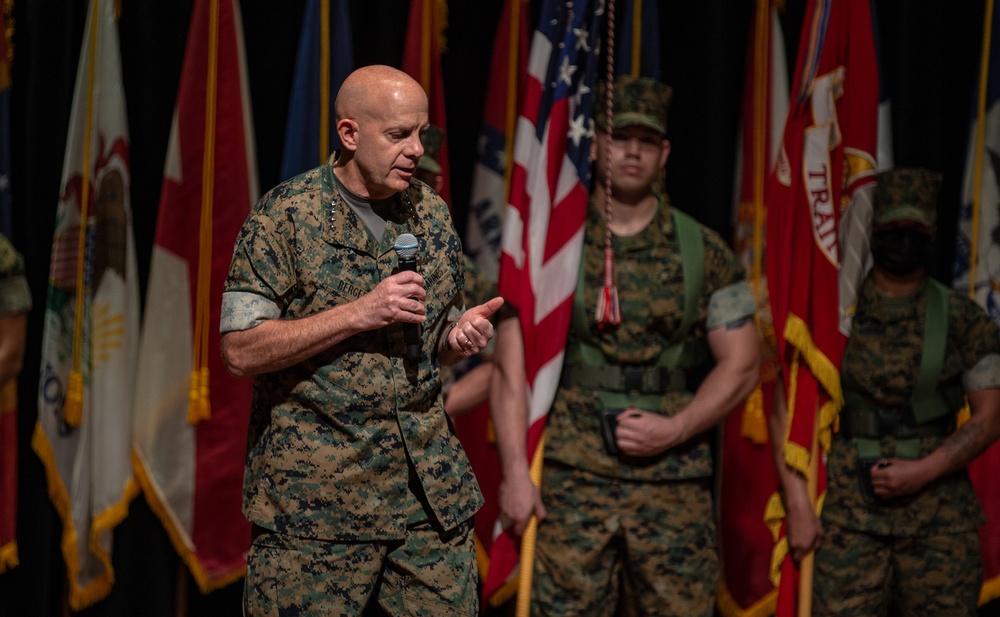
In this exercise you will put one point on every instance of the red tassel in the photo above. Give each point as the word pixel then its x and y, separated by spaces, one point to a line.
pixel 608 311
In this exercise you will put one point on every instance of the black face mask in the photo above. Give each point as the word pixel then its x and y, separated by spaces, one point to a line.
pixel 900 251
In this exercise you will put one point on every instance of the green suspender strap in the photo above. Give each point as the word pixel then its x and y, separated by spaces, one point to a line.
pixel 587 353
pixel 927 401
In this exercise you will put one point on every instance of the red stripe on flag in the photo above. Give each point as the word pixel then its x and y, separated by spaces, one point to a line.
pixel 542 238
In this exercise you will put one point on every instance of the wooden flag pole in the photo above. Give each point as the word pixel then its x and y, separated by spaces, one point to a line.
pixel 527 558
pixel 806 567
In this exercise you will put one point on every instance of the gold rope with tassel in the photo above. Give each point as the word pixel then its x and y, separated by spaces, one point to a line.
pixel 608 312
pixel 754 425
pixel 199 406
pixel 73 405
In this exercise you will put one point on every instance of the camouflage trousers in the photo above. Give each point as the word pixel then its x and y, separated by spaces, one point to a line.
pixel 859 574
pixel 648 547
pixel 427 574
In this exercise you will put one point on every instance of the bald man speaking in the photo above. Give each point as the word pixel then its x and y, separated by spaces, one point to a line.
pixel 343 298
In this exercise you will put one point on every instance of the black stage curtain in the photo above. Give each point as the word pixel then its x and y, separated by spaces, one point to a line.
pixel 930 54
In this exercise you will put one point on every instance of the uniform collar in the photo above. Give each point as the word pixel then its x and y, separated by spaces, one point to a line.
pixel 343 227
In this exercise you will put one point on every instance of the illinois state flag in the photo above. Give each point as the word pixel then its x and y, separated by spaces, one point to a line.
pixel 190 414
pixel 543 226
pixel 819 209
pixel 91 321
pixel 746 474
pixel 977 268
pixel 324 59
pixel 422 61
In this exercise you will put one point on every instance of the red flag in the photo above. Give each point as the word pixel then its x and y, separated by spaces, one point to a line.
pixel 543 225
pixel 747 477
pixel 191 415
pixel 819 200
pixel 489 193
pixel 8 391
pixel 422 61
pixel 8 475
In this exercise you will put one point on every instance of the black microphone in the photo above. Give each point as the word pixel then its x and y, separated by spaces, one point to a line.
pixel 406 248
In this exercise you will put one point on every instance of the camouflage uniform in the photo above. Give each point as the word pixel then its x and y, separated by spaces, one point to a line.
pixel 15 297
pixel 351 447
pixel 918 553
pixel 652 517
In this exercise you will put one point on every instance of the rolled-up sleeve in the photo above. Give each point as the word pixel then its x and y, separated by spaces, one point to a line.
pixel 730 304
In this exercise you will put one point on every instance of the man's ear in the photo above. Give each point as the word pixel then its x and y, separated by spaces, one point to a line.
pixel 664 152
pixel 347 131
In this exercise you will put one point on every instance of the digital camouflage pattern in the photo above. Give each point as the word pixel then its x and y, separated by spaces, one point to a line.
pixel 431 140
pixel 287 575
pixel 657 510
pixel 919 575
pixel 635 101
pixel 881 362
pixel 906 193
pixel 15 297
pixel 667 530
pixel 650 285
pixel 335 440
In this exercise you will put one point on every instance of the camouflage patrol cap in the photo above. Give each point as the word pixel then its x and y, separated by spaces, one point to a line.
pixel 431 140
pixel 906 194
pixel 635 101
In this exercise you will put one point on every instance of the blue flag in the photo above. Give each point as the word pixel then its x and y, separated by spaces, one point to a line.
pixel 310 134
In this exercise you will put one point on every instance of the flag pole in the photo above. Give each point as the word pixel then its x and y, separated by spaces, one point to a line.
pixel 977 153
pixel 806 568
pixel 527 560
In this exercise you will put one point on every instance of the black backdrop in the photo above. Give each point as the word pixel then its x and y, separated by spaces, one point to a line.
pixel 930 54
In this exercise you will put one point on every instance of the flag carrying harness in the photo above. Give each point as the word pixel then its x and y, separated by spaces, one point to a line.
pixel 930 410
pixel 641 386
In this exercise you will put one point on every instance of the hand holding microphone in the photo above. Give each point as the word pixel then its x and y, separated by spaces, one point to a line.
pixel 407 247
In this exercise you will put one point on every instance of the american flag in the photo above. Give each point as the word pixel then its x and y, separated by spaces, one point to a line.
pixel 543 226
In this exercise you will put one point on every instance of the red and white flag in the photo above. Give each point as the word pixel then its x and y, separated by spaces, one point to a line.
pixel 542 238
pixel 819 213
pixel 91 321
pixel 191 415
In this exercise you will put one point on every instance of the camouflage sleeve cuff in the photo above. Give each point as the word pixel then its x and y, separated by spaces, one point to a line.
pixel 243 310
pixel 15 297
pixel 985 374
pixel 730 304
